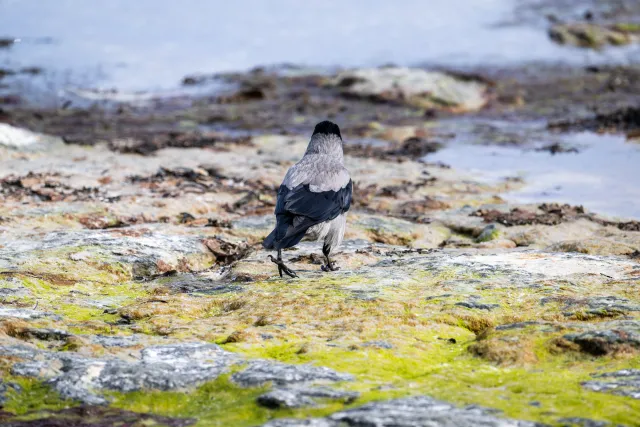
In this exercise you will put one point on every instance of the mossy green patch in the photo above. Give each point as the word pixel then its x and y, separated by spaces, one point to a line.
pixel 628 27
pixel 427 364
pixel 31 396
pixel 217 403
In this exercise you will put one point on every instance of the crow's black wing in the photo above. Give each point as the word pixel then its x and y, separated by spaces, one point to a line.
pixel 299 208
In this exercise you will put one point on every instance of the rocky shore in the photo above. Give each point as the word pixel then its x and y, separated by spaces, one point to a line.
pixel 134 289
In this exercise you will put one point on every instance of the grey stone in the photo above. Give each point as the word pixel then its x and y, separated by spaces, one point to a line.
pixel 192 283
pixel 518 325
pixel 625 382
pixel 115 341
pixel 378 344
pixel 284 398
pixel 4 387
pixel 46 334
pixel 84 379
pixel 141 252
pixel 597 306
pixel 477 305
pixel 25 313
pixel 490 232
pixel 418 411
pixel 581 422
pixel 608 337
pixel 443 296
pixel 261 372
pixel 414 86
pixel 300 395
pixel 12 287
pixel 293 422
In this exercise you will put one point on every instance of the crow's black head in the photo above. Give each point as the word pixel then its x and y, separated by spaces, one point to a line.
pixel 328 128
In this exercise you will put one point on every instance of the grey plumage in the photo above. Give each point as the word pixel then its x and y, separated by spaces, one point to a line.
pixel 314 196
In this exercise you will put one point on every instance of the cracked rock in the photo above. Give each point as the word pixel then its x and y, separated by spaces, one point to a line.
pixel 625 382
pixel 608 338
pixel 164 367
pixel 262 371
pixel 297 396
pixel 418 411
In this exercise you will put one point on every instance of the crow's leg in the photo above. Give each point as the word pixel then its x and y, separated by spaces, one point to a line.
pixel 330 265
pixel 281 266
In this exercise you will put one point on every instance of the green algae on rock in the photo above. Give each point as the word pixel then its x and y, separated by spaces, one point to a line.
pixel 416 87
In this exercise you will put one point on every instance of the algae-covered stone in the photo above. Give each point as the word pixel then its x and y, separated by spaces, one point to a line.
pixel 490 232
pixel 417 87
pixel 589 35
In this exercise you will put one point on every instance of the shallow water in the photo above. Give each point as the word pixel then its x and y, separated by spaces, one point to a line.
pixel 603 176
pixel 154 43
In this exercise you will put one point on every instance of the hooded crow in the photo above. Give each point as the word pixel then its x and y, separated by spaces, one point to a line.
pixel 313 199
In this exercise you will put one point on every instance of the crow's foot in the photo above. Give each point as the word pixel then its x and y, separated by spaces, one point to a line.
pixel 282 268
pixel 330 266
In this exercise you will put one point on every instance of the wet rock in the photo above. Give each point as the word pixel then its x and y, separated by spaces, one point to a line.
pixel 625 382
pixel 6 42
pixel 193 283
pixel 416 87
pixel 141 251
pixel 552 214
pixel 581 422
pixel 477 305
pixel 589 35
pixel 625 119
pixel 226 252
pixel 608 337
pixel 558 148
pixel 46 187
pixel 300 422
pixel 517 325
pixel 415 148
pixel 115 341
pixel 23 313
pixel 93 416
pixel 44 334
pixel 23 139
pixel 599 306
pixel 490 232
pixel 12 287
pixel 298 396
pixel 593 246
pixel 378 344
pixel 84 379
pixel 262 372
pixel 4 387
pixel 410 412
pixel 284 398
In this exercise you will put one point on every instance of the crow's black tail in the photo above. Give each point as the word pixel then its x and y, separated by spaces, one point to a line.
pixel 269 242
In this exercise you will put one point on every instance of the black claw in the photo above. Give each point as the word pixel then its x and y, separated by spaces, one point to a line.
pixel 282 267
pixel 331 266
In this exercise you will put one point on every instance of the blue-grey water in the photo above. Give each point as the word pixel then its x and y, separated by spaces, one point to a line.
pixel 602 176
pixel 146 44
